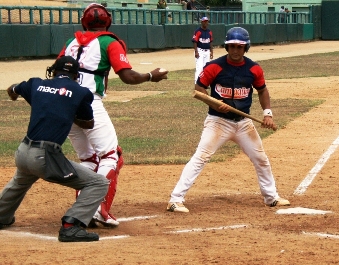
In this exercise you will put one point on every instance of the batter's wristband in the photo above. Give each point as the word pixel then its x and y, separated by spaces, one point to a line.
pixel 268 112
pixel 150 76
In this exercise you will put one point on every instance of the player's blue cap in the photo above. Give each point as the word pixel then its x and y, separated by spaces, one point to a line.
pixel 204 19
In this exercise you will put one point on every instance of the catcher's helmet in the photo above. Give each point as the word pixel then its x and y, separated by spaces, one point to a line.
pixel 96 16
pixel 238 35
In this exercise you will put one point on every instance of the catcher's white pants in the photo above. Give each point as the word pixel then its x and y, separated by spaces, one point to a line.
pixel 204 57
pixel 215 133
pixel 100 140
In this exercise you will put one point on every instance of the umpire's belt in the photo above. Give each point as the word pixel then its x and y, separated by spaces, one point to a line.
pixel 39 144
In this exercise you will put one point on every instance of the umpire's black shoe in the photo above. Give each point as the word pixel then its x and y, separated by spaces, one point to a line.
pixel 76 234
pixel 6 225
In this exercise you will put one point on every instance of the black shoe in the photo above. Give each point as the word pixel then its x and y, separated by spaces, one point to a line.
pixel 92 224
pixel 7 225
pixel 76 234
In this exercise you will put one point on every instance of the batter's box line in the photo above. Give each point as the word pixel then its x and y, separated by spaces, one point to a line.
pixel 52 238
pixel 135 218
pixel 316 169
pixel 206 229
pixel 322 235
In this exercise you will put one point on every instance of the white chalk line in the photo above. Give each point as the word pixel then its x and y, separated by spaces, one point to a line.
pixel 315 170
pixel 128 219
pixel 27 234
pixel 44 237
pixel 322 235
pixel 206 229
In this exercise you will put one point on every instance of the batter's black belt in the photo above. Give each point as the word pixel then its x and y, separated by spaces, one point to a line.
pixel 237 118
pixel 39 144
pixel 205 50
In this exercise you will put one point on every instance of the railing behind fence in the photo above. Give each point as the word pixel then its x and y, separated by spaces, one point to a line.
pixel 71 15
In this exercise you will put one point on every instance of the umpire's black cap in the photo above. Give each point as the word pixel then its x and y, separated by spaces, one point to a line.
pixel 67 64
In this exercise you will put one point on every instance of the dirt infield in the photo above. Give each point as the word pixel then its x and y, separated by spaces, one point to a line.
pixel 227 223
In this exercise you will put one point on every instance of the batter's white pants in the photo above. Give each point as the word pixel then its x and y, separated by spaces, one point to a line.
pixel 215 133
pixel 204 57
pixel 100 140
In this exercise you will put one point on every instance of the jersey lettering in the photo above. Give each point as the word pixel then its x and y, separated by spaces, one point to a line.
pixel 204 40
pixel 62 91
pixel 123 58
pixel 227 92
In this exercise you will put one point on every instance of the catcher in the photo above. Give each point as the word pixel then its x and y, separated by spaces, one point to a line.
pixel 97 50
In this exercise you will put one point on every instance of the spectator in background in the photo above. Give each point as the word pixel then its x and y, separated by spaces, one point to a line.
pixel 207 13
pixel 191 6
pixel 162 5
pixel 287 13
pixel 281 16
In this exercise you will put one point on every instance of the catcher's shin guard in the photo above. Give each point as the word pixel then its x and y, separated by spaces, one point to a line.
pixel 112 176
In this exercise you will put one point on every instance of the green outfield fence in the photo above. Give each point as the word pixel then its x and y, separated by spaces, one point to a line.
pixel 141 16
pixel 28 31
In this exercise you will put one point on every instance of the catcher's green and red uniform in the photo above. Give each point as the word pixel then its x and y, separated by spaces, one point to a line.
pixel 100 52
pixel 98 148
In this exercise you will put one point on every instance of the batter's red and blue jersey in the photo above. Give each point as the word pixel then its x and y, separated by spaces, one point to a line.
pixel 203 38
pixel 232 83
pixel 54 105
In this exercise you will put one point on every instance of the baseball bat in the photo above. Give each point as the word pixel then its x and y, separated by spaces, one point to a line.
pixel 213 102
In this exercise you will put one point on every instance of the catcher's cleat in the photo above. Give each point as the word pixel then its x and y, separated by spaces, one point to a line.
pixel 110 221
pixel 177 207
pixel 279 202
pixel 76 234
pixel 93 224
pixel 7 225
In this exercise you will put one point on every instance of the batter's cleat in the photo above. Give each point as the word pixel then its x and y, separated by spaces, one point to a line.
pixel 7 225
pixel 76 234
pixel 111 221
pixel 177 207
pixel 279 202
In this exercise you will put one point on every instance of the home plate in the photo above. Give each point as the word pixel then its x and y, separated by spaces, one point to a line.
pixel 300 210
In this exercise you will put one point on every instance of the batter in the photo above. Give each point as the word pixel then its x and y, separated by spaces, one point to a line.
pixel 231 78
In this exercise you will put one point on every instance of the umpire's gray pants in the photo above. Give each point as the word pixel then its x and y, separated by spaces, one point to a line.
pixel 30 162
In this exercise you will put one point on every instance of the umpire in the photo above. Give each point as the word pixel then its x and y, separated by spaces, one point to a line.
pixel 56 103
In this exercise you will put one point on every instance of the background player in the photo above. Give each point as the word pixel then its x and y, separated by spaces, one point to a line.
pixel 55 105
pixel 97 50
pixel 203 49
pixel 231 78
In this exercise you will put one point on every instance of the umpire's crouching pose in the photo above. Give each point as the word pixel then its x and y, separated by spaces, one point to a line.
pixel 55 104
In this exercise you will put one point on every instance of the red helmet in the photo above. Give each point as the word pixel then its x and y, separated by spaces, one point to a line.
pixel 96 16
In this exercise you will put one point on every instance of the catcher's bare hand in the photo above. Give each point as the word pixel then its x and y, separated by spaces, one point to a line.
pixel 11 92
pixel 158 74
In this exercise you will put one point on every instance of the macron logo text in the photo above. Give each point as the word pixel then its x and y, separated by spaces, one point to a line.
pixel 62 91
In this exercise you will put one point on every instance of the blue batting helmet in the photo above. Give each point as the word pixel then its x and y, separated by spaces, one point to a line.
pixel 238 35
